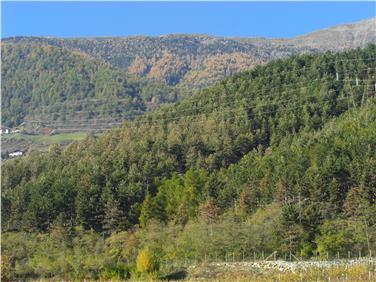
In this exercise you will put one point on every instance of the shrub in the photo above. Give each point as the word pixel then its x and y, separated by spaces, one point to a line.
pixel 5 268
pixel 118 272
pixel 146 261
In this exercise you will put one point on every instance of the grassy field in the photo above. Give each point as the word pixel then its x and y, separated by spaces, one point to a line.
pixel 25 142
pixel 48 139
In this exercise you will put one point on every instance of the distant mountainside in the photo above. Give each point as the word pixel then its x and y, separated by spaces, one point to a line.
pixel 340 37
pixel 48 84
pixel 199 60
pixel 73 82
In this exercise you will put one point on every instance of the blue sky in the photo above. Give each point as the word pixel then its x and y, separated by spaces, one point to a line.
pixel 248 19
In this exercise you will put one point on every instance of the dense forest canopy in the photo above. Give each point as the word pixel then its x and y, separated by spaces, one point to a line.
pixel 52 85
pixel 279 158
pixel 187 60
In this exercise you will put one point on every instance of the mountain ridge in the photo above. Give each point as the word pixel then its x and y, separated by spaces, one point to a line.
pixel 353 25
pixel 196 61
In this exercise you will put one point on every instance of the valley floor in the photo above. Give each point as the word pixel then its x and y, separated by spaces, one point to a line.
pixel 26 142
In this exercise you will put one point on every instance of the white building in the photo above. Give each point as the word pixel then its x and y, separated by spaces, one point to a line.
pixel 4 131
pixel 15 154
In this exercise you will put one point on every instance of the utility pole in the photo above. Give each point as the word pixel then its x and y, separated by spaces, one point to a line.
pixel 367 236
pixel 147 186
pixel 300 207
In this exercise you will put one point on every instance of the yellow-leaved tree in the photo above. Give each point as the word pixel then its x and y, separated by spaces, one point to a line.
pixel 146 261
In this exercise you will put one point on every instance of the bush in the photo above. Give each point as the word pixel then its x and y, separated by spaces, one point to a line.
pixel 340 237
pixel 5 269
pixel 146 262
pixel 118 272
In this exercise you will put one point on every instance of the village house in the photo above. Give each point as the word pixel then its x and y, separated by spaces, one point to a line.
pixel 4 130
pixel 15 154
pixel 16 130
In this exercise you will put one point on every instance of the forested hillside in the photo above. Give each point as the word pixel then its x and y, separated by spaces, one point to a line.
pixel 47 85
pixel 280 158
pixel 187 60
pixel 199 60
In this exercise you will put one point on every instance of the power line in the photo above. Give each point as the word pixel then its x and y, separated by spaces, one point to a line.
pixel 229 104
pixel 195 109
pixel 243 108
pixel 249 107
pixel 198 121
pixel 305 68
pixel 129 98
pixel 366 59
pixel 130 116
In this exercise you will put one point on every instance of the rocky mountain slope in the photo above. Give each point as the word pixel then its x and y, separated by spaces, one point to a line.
pixel 340 37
